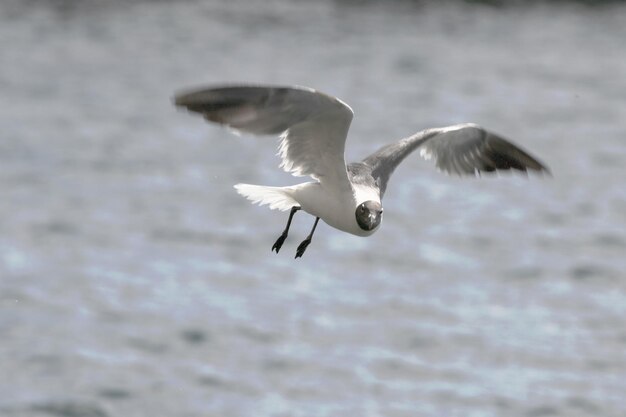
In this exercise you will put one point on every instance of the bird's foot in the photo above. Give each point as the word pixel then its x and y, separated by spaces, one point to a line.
pixel 279 242
pixel 302 247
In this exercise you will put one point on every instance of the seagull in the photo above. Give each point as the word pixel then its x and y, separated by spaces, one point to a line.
pixel 313 127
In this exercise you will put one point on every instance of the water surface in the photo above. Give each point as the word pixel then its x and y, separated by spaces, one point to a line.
pixel 134 281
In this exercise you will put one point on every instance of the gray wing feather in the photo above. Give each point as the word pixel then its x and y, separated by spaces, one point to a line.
pixel 313 126
pixel 465 149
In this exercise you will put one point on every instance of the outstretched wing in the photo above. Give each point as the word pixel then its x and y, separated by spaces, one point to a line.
pixel 313 126
pixel 465 149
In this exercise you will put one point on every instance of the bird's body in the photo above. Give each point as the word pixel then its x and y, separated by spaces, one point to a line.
pixel 313 128
pixel 335 207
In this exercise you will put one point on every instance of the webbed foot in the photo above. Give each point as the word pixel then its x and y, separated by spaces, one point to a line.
pixel 302 247
pixel 279 242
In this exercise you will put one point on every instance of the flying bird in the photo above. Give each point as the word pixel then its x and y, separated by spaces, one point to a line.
pixel 313 127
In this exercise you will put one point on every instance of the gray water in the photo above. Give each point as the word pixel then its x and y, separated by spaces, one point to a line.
pixel 135 282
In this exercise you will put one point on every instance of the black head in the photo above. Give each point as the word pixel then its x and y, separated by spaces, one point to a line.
pixel 369 214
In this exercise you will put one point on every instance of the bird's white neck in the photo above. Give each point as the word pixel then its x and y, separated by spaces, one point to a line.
pixel 364 193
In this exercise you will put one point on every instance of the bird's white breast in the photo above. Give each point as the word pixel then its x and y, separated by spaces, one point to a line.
pixel 336 208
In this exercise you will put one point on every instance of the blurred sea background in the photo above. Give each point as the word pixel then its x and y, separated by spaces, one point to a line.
pixel 135 282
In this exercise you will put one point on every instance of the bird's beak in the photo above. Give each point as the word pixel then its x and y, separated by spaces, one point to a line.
pixel 374 219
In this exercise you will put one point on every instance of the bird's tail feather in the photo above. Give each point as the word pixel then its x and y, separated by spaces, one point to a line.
pixel 278 198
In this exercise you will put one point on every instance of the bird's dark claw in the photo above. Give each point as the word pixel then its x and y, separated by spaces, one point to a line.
pixel 302 247
pixel 279 242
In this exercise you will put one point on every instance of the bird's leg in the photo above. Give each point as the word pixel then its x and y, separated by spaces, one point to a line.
pixel 305 242
pixel 283 236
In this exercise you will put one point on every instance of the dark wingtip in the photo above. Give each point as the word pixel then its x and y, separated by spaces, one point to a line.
pixel 512 156
pixel 540 170
pixel 546 171
pixel 539 167
pixel 178 101
pixel 186 99
pixel 210 99
pixel 199 99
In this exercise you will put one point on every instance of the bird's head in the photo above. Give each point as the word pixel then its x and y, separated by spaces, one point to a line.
pixel 369 214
